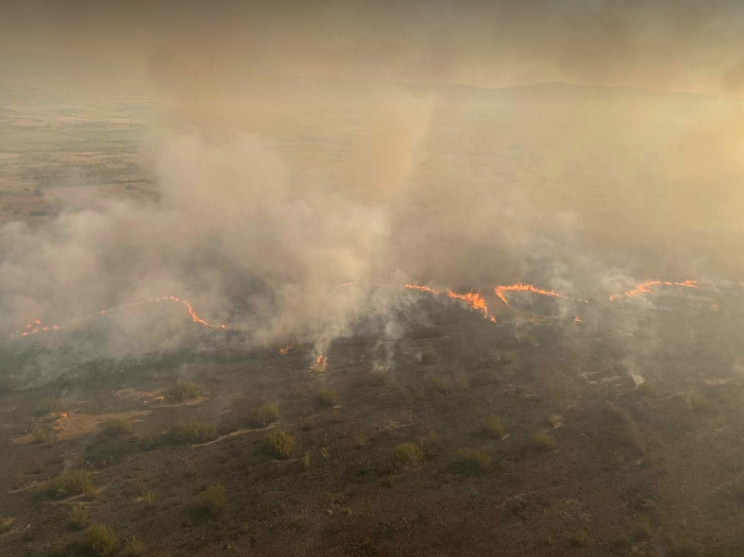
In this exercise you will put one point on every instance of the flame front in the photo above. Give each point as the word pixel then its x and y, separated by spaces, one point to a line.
pixel 35 326
pixel 644 288
pixel 474 300
pixel 521 287
pixel 320 364
pixel 284 351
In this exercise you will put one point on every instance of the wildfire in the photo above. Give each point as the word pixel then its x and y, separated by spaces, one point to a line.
pixel 35 326
pixel 473 300
pixel 284 351
pixel 521 287
pixel 577 320
pixel 644 288
pixel 320 364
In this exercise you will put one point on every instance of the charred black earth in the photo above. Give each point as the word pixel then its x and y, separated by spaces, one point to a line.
pixel 538 435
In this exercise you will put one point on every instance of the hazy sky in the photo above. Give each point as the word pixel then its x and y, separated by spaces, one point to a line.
pixel 681 45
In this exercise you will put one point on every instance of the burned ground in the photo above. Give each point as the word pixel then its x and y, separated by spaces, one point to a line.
pixel 591 461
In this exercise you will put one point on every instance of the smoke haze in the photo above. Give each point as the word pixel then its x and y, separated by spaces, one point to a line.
pixel 387 143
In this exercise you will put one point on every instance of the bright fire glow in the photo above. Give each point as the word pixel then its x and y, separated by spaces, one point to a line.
pixel 284 351
pixel 474 300
pixel 521 287
pixel 35 326
pixel 577 320
pixel 644 288
pixel 320 364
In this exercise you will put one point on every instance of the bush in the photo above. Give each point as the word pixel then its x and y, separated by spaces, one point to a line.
pixel 72 482
pixel 213 499
pixel 116 428
pixel 264 415
pixel 441 384
pixel 48 406
pixel 100 540
pixel 492 427
pixel 189 433
pixel 133 548
pixel 471 461
pixel 184 390
pixel 327 398
pixel 579 538
pixel 5 524
pixel 381 377
pixel 642 532
pixel 43 436
pixel 542 442
pixel 61 547
pixel 78 518
pixel 508 356
pixel 280 444
pixel 408 454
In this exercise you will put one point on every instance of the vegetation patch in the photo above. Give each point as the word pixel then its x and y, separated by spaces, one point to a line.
pixel 100 540
pixel 542 442
pixel 493 428
pixel 471 461
pixel 408 454
pixel 213 500
pixel 263 415
pixel 327 398
pixel 184 390
pixel 72 482
pixel 116 427
pixel 191 433
pixel 280 444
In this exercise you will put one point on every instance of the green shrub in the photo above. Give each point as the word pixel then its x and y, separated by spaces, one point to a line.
pixel 408 454
pixel 642 531
pixel 189 433
pixel 48 406
pixel 133 548
pixel 100 540
pixel 78 518
pixel 72 482
pixel 471 461
pixel 429 357
pixel 184 390
pixel 116 428
pixel 579 538
pixel 381 377
pixel 327 398
pixel 508 356
pixel 61 547
pixel 5 524
pixel 542 442
pixel 280 444
pixel 263 415
pixel 213 499
pixel 306 461
pixel 492 427
pixel 441 384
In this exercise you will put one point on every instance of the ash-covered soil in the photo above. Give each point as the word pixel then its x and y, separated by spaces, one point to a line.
pixel 617 435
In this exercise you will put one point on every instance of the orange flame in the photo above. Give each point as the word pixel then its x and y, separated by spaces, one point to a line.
pixel 521 287
pixel 473 300
pixel 320 364
pixel 577 320
pixel 284 351
pixel 35 327
pixel 644 288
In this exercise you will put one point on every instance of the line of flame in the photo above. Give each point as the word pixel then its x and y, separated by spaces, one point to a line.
pixel 474 300
pixel 521 287
pixel 35 326
pixel 644 288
